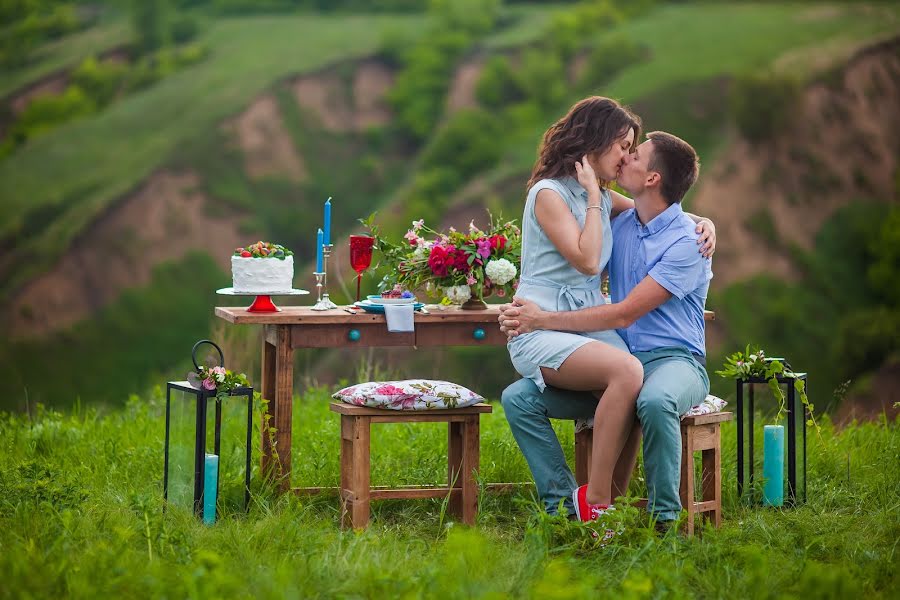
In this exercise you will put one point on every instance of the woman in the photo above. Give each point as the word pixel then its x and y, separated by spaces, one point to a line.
pixel 566 244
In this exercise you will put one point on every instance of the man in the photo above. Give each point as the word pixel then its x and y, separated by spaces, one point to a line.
pixel 658 282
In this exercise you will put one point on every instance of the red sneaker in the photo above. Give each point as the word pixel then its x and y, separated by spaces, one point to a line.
pixel 585 511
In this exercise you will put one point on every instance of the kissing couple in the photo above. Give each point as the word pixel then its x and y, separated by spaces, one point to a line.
pixel 635 364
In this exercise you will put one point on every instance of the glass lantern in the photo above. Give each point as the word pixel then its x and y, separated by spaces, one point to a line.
pixel 197 421
pixel 795 415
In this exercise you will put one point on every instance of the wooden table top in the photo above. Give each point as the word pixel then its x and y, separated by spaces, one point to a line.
pixel 304 315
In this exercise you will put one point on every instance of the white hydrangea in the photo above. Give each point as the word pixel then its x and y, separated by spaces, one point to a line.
pixel 458 293
pixel 419 253
pixel 501 271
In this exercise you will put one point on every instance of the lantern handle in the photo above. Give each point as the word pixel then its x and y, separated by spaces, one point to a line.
pixel 211 343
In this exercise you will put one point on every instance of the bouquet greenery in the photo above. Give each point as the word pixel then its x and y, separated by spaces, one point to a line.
pixel 752 363
pixel 217 378
pixel 455 265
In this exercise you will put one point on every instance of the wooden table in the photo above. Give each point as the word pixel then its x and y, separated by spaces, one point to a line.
pixel 300 327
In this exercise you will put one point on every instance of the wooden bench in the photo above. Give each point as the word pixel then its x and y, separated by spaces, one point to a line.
pixel 463 452
pixel 698 434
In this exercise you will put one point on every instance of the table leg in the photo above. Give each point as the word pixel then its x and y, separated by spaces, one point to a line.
pixel 267 392
pixel 471 460
pixel 455 466
pixel 277 388
pixel 284 403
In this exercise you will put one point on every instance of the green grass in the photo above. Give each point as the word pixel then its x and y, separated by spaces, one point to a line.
pixel 81 516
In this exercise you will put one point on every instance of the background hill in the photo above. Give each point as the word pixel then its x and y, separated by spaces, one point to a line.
pixel 139 148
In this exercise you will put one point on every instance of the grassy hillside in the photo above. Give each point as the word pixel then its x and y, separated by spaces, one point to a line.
pixel 55 186
pixel 58 183
pixel 694 44
pixel 81 517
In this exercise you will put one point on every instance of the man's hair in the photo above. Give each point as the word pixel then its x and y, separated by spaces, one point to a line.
pixel 676 162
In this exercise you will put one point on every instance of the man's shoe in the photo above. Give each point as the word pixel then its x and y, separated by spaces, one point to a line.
pixel 664 527
pixel 585 511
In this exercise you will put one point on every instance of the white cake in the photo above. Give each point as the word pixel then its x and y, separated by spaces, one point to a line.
pixel 259 275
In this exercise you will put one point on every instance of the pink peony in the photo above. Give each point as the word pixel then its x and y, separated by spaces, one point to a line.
pixel 389 390
pixel 209 384
pixel 405 401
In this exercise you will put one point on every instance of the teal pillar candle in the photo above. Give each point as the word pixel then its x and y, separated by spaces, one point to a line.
pixel 210 488
pixel 773 465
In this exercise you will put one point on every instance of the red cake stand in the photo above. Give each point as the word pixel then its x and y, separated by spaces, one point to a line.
pixel 262 302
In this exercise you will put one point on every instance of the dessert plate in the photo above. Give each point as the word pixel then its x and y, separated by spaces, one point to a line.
pixel 379 308
pixel 374 299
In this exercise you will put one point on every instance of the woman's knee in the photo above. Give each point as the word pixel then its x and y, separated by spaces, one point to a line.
pixel 630 374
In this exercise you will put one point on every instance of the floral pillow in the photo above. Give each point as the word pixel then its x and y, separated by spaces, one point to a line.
pixel 410 394
pixel 710 404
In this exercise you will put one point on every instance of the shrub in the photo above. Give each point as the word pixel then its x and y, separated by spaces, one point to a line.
pixel 569 30
pixel 543 79
pixel 609 57
pixel 189 55
pixel 763 103
pixel 184 29
pixel 46 112
pixel 99 80
pixel 469 143
pixel 418 94
pixel 498 85
pixel 150 23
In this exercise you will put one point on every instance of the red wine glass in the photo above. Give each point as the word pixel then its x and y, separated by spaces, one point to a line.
pixel 360 256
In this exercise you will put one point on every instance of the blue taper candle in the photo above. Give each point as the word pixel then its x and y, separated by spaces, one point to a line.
pixel 210 488
pixel 773 465
pixel 327 226
pixel 319 242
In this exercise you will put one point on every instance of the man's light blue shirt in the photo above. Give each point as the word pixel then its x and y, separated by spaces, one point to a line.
pixel 665 249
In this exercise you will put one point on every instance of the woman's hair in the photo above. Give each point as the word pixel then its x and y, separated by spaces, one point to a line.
pixel 592 125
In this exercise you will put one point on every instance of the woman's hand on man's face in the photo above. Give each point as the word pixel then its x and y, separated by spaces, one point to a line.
pixel 586 176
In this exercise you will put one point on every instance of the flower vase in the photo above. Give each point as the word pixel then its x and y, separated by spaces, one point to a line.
pixel 474 304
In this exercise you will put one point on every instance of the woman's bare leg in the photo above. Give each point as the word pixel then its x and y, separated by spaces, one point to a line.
pixel 625 466
pixel 592 367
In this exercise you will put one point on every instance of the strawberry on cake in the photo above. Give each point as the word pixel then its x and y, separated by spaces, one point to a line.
pixel 262 267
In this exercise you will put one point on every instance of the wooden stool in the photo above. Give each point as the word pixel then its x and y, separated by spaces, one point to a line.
pixel 698 434
pixel 463 449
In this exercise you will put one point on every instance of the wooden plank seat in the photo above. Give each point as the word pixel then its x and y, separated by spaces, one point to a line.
pixel 701 433
pixel 463 453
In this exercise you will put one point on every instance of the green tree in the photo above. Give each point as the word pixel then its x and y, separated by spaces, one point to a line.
pixel 150 20
pixel 763 103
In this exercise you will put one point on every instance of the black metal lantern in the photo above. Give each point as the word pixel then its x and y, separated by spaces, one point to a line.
pixel 796 416
pixel 192 478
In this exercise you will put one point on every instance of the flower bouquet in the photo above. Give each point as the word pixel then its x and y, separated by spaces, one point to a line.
pixel 463 268
pixel 218 379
